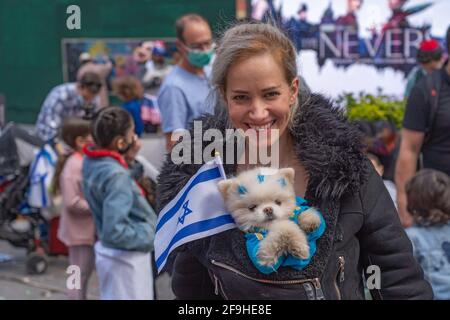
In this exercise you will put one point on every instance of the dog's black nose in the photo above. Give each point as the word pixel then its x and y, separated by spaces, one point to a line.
pixel 268 212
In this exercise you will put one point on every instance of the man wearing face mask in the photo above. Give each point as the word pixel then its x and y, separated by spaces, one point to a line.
pixel 183 94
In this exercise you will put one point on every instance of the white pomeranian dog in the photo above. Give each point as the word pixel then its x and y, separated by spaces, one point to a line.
pixel 265 198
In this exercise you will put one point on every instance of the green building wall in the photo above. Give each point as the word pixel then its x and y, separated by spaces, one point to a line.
pixel 31 32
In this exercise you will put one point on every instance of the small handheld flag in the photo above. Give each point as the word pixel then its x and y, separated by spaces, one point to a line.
pixel 196 212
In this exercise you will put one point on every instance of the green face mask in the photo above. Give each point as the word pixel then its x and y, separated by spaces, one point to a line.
pixel 199 58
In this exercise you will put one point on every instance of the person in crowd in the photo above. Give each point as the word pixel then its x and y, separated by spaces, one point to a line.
pixel 142 55
pixel 129 89
pixel 428 194
pixel 255 75
pixel 425 137
pixel 156 69
pixel 76 225
pixel 78 99
pixel 174 54
pixel 429 57
pixel 183 94
pixel 124 221
pixel 139 172
pixel 134 64
pixel 103 70
pixel 390 186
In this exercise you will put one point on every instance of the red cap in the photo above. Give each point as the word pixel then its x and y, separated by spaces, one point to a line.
pixel 429 45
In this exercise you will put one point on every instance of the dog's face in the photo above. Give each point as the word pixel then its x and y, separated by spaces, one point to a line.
pixel 257 197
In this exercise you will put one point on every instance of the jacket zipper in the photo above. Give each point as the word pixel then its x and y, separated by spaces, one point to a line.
pixel 217 286
pixel 340 276
pixel 316 281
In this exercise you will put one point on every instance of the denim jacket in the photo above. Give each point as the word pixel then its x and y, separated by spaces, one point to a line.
pixel 123 218
pixel 432 250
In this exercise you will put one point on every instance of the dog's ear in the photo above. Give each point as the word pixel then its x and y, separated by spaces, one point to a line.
pixel 288 174
pixel 224 186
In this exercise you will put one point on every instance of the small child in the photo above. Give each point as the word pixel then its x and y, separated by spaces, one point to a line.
pixel 129 89
pixel 124 220
pixel 428 194
pixel 76 227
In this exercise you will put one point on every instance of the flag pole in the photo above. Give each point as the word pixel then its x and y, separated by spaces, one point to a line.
pixel 218 161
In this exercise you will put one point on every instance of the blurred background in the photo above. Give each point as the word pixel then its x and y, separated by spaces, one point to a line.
pixel 359 52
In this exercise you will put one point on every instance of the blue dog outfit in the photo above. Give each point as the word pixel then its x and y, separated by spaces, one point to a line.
pixel 254 239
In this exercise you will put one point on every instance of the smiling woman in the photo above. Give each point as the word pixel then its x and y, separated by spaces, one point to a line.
pixel 255 76
pixel 258 96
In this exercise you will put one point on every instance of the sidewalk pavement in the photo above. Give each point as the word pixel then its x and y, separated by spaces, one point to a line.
pixel 15 284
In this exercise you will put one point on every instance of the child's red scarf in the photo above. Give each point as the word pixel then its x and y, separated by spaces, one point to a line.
pixel 102 153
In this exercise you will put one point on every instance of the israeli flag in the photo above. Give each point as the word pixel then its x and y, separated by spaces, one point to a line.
pixel 198 211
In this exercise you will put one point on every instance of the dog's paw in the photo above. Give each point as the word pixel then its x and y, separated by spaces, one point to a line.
pixel 299 250
pixel 309 220
pixel 267 254
pixel 267 260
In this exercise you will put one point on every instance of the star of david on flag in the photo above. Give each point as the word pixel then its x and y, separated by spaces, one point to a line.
pixel 185 213
pixel 198 211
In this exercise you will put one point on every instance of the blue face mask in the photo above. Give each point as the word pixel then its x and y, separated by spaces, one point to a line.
pixel 199 58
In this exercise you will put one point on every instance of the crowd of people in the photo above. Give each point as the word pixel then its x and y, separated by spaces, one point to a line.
pixel 109 211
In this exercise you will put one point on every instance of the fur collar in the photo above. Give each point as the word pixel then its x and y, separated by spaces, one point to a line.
pixel 331 151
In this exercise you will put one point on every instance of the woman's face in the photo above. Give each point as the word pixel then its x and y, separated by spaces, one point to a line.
pixel 258 96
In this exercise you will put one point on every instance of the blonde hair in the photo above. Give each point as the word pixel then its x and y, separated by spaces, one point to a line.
pixel 246 40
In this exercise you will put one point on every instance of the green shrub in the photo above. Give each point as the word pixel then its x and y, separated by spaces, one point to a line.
pixel 373 108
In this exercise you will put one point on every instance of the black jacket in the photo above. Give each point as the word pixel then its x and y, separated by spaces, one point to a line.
pixel 363 228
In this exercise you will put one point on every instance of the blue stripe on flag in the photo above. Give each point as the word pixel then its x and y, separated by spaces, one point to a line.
pixel 207 175
pixel 193 228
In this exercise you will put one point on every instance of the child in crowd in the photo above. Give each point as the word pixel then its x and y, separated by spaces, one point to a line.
pixel 390 186
pixel 124 220
pixel 76 227
pixel 139 172
pixel 428 194
pixel 141 106
pixel 129 89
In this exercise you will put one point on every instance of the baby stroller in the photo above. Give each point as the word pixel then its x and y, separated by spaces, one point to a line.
pixel 21 224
